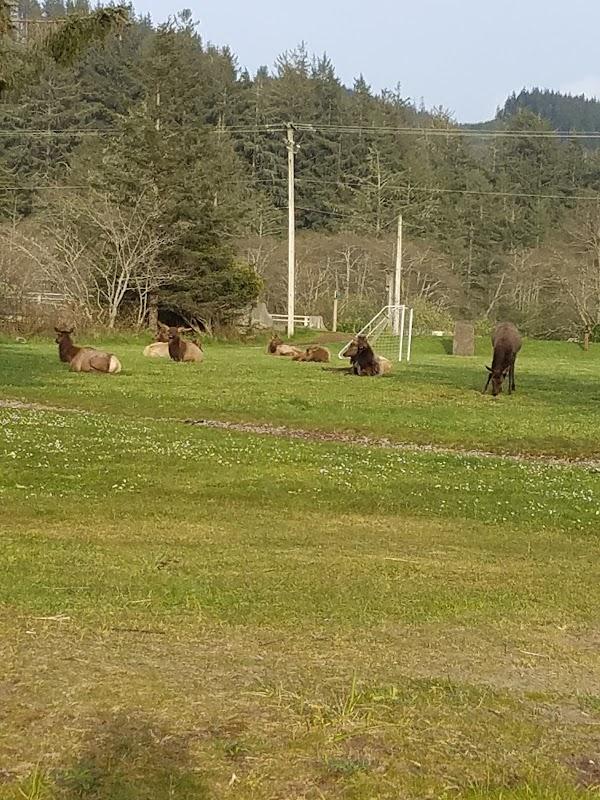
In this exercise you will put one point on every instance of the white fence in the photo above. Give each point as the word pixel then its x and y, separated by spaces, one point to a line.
pixel 300 321
pixel 45 298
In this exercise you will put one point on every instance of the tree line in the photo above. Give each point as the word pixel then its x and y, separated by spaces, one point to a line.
pixel 149 172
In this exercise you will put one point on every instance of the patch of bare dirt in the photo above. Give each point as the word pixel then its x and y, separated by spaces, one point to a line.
pixel 282 431
pixel 587 771
pixel 337 437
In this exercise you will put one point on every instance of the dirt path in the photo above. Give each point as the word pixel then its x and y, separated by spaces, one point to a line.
pixel 358 440
pixel 362 440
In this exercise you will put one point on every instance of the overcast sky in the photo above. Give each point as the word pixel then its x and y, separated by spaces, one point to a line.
pixel 465 55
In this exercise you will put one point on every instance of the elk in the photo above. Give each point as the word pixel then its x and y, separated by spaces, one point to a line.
pixel 363 360
pixel 315 353
pixel 160 346
pixel 276 347
pixel 84 359
pixel 506 341
pixel 180 349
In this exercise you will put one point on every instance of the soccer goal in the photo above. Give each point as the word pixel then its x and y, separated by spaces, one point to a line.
pixel 390 333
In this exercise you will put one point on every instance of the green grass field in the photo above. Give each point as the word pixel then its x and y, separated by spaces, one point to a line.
pixel 197 613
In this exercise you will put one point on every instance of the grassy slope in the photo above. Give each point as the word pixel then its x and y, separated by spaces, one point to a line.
pixel 435 400
pixel 218 613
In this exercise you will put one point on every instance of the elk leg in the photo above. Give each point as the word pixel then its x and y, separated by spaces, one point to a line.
pixel 487 383
pixel 512 376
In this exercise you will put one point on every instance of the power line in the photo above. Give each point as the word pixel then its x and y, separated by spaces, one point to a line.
pixel 434 131
pixel 324 127
pixel 56 132
pixel 407 188
pixel 43 187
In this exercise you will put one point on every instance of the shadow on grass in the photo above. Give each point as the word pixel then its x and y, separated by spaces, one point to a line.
pixel 131 757
pixel 31 368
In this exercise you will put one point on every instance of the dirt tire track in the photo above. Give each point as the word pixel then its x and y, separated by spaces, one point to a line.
pixel 333 437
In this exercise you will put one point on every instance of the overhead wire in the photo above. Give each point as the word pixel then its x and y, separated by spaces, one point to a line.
pixel 314 127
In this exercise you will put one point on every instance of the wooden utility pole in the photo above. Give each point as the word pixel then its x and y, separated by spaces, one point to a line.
pixel 389 285
pixel 335 311
pixel 291 231
pixel 398 276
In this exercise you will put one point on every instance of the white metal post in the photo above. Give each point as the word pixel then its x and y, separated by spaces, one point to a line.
pixel 335 312
pixel 410 327
pixel 398 276
pixel 291 232
pixel 402 312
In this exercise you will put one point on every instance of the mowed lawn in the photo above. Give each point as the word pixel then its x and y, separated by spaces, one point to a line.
pixel 195 613
pixel 436 399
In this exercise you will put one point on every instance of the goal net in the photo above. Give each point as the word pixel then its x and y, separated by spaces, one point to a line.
pixel 390 333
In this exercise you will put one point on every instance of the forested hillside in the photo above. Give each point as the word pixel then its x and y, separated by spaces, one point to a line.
pixel 564 112
pixel 154 169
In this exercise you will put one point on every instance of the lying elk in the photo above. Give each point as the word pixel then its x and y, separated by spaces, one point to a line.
pixel 180 349
pixel 160 346
pixel 84 359
pixel 315 353
pixel 506 341
pixel 276 347
pixel 363 359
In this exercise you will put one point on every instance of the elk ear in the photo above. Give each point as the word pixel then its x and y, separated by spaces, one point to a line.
pixel 489 369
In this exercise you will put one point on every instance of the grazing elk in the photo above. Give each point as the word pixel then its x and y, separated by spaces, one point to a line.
pixel 363 360
pixel 160 346
pixel 84 359
pixel 180 349
pixel 277 347
pixel 315 353
pixel 506 341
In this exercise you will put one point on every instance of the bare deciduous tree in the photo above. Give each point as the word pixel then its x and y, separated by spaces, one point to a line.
pixel 97 254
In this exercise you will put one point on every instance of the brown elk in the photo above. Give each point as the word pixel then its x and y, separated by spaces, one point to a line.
pixel 180 349
pixel 84 359
pixel 274 343
pixel 315 353
pixel 160 346
pixel 506 341
pixel 277 347
pixel 363 360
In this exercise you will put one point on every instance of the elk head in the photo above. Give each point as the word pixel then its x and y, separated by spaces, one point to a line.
pixel 276 340
pixel 497 378
pixel 162 333
pixel 352 349
pixel 62 334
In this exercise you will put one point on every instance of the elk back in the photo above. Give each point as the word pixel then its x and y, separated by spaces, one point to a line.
pixel 157 350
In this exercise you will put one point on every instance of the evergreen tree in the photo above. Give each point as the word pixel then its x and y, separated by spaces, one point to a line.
pixel 165 156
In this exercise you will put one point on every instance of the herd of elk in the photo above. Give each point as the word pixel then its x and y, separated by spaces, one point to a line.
pixel 506 341
pixel 168 343
pixel 84 359
pixel 315 352
pixel 364 362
